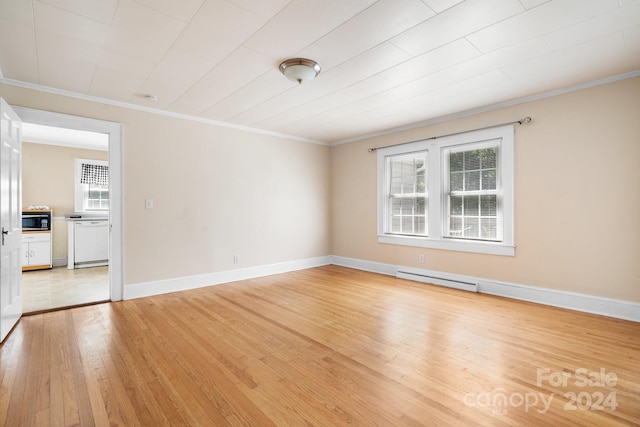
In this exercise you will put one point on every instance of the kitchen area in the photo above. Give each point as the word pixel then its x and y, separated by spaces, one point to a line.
pixel 65 219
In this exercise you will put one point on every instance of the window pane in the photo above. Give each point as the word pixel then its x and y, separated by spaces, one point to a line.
pixel 472 181
pixel 488 228
pixel 407 224
pixel 421 182
pixel 489 179
pixel 472 160
pixel 457 181
pixel 488 157
pixel 488 205
pixel 473 215
pixel 395 224
pixel 471 205
pixel 472 228
pixel 456 205
pixel 407 205
pixel 456 162
pixel 96 197
pixel 455 226
pixel 396 205
pixel 421 206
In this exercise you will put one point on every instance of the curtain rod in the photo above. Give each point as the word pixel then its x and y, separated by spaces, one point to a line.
pixel 519 122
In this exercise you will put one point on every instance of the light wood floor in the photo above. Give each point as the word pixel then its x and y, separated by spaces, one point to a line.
pixel 327 346
pixel 61 287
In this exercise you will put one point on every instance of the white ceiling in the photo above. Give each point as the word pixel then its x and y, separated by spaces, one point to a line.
pixel 385 64
pixel 42 134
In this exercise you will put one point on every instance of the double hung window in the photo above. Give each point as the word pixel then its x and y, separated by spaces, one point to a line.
pixel 452 193
pixel 91 185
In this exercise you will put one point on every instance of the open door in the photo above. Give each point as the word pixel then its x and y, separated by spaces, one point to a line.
pixel 10 211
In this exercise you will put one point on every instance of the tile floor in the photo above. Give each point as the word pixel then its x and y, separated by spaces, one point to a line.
pixel 61 287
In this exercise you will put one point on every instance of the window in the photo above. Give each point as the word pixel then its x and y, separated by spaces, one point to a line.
pixel 92 185
pixel 408 194
pixel 453 192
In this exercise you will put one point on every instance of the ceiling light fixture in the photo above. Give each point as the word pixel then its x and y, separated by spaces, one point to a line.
pixel 300 69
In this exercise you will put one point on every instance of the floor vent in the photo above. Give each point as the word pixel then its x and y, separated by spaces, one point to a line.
pixel 426 277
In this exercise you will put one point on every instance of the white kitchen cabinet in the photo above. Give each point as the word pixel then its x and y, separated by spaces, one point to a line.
pixel 36 251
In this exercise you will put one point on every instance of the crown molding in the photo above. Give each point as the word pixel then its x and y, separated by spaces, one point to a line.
pixel 492 107
pixel 127 105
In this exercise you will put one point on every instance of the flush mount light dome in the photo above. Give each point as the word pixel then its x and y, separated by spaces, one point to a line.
pixel 300 69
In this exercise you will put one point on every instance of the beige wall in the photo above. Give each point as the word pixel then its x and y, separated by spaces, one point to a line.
pixel 577 195
pixel 48 179
pixel 218 192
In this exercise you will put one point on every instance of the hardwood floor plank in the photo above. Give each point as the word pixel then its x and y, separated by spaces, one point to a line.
pixel 327 346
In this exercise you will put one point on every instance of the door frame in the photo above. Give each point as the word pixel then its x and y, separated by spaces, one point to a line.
pixel 116 193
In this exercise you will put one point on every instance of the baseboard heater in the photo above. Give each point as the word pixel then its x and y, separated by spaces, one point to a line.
pixel 428 277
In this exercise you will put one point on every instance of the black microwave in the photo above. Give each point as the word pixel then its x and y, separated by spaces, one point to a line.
pixel 36 220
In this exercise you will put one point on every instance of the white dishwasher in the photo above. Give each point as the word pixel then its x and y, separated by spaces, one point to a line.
pixel 90 243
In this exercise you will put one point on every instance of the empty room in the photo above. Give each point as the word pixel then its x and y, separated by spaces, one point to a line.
pixel 320 212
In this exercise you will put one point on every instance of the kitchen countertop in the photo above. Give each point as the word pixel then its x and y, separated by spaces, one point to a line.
pixel 86 217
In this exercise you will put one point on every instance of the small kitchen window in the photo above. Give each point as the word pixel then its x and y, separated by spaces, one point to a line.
pixel 91 185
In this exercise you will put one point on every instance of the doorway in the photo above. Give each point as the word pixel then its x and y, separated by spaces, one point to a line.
pixel 64 285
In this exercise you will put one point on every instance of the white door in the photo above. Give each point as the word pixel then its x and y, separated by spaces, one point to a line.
pixel 10 221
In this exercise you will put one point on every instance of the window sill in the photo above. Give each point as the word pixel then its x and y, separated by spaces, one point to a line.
pixel 489 248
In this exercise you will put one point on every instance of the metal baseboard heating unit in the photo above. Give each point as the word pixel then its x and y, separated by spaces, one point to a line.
pixel 434 278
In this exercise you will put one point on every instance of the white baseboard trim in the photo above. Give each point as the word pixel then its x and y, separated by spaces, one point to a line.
pixel 146 289
pixel 59 262
pixel 620 309
pixel 359 264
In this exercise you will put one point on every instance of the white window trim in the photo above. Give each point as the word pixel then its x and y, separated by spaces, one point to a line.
pixel 79 188
pixel 436 196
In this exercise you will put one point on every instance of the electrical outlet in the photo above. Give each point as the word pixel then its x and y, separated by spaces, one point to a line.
pixel 236 259
pixel 421 259
pixel 148 203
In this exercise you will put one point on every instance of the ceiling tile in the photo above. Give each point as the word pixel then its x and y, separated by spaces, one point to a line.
pixel 371 27
pixel 215 32
pixel 19 12
pixel 441 5
pixel 450 54
pixel 183 10
pixel 530 4
pixel 101 11
pixel 538 21
pixel 497 59
pixel 50 20
pixel 265 87
pixel 578 64
pixel 454 23
pixel 118 75
pixel 18 51
pixel 262 8
pixel 594 28
pixel 632 38
pixel 65 73
pixel 301 23
pixel 68 48
pixel 292 121
pixel 239 69
pixel 141 32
